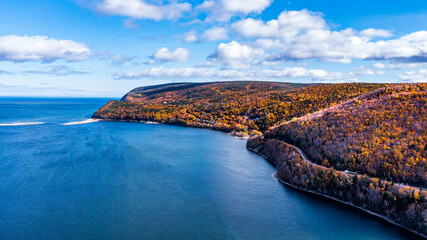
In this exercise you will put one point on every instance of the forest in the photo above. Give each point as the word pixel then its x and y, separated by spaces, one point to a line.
pixel 403 205
pixel 383 134
pixel 368 142
pixel 243 108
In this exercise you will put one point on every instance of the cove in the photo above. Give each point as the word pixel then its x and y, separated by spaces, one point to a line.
pixel 120 180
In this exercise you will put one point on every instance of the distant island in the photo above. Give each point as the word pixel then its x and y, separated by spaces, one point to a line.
pixel 361 144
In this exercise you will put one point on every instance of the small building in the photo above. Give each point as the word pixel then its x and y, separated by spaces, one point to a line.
pixel 350 172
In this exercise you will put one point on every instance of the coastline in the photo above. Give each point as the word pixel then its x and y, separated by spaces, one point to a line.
pixel 272 161
pixel 354 206
pixel 384 218
pixel 171 124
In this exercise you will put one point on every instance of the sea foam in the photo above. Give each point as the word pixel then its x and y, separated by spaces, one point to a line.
pixel 91 120
pixel 20 124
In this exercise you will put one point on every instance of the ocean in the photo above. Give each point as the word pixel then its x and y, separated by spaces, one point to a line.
pixel 63 176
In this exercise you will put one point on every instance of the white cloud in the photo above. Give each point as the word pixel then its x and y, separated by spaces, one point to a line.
pixel 223 10
pixel 361 70
pixel 205 5
pixel 254 28
pixel 306 35
pixel 191 37
pixel 234 55
pixel 414 76
pixel 299 72
pixel 374 33
pixel 170 73
pixel 209 35
pixel 380 65
pixel 215 34
pixel 140 9
pixel 245 6
pixel 233 74
pixel 399 65
pixel 164 55
pixel 287 25
pixel 342 46
pixel 41 48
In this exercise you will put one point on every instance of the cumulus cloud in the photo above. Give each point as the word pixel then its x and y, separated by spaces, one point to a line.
pixel 164 55
pixel 215 34
pixel 41 48
pixel 140 9
pixel 209 73
pixel 288 25
pixel 414 76
pixel 223 10
pixel 234 55
pixel 306 35
pixel 245 6
pixel 375 33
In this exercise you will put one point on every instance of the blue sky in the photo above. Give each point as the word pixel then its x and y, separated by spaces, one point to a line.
pixel 107 47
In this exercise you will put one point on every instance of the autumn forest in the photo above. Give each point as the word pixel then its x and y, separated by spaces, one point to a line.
pixel 366 143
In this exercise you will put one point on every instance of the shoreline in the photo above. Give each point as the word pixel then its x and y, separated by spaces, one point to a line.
pixel 384 218
pixel 170 124
pixel 381 217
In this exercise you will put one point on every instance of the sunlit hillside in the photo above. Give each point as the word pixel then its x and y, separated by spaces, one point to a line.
pixel 242 107
pixel 382 134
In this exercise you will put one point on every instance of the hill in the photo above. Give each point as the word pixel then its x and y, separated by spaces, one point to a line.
pixel 359 141
pixel 244 108
pixel 360 152
pixel 382 134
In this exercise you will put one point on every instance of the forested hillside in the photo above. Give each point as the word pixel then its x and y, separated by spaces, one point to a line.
pixel 375 131
pixel 245 108
pixel 400 204
pixel 383 134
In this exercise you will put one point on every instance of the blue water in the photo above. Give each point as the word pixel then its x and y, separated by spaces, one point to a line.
pixel 117 180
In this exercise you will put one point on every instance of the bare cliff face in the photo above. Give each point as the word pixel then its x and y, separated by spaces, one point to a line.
pixel 404 206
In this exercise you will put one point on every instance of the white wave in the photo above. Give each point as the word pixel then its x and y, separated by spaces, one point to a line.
pixel 20 124
pixel 91 120
pixel 150 122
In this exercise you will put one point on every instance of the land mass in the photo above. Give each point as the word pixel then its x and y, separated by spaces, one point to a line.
pixel 357 143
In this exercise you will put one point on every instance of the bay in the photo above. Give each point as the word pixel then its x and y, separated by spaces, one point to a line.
pixel 120 180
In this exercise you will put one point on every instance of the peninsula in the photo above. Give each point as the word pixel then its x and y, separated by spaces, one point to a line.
pixel 361 144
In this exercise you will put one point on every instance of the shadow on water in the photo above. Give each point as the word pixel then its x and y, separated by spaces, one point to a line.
pixel 327 203
pixel 117 180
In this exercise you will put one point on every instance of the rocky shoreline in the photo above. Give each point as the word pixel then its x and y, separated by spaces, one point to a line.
pixel 274 162
pixel 258 149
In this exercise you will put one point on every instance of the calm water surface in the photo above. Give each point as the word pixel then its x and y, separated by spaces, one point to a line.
pixel 117 180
